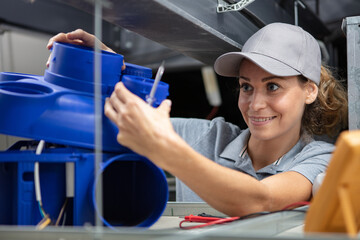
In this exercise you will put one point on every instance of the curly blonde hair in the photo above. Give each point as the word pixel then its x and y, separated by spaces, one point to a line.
pixel 329 113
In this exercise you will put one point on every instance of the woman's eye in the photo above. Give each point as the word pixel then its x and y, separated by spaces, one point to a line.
pixel 273 87
pixel 245 87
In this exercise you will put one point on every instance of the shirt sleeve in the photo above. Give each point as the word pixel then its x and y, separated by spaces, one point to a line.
pixel 191 129
pixel 313 159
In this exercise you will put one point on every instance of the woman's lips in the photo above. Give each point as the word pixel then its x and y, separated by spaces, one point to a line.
pixel 261 120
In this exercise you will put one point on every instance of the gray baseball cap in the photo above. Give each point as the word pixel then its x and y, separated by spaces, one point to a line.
pixel 280 49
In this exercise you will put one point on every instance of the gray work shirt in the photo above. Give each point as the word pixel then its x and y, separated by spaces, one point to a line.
pixel 226 144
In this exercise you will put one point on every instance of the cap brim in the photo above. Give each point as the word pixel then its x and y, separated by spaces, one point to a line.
pixel 228 64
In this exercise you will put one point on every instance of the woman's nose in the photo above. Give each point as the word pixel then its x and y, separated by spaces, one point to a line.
pixel 257 101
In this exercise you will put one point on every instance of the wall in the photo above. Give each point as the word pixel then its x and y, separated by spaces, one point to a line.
pixel 21 51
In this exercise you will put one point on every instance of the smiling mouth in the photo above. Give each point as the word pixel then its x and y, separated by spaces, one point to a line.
pixel 261 119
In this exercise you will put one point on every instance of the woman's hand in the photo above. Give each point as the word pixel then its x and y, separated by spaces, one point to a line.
pixel 78 37
pixel 142 128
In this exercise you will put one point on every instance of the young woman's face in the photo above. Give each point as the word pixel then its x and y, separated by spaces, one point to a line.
pixel 271 106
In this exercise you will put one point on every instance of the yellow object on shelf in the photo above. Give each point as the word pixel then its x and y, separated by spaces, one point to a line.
pixel 336 206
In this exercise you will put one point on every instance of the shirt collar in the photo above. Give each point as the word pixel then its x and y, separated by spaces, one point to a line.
pixel 235 147
pixel 237 152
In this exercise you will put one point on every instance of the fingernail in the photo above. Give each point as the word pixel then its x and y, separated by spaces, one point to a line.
pixel 169 102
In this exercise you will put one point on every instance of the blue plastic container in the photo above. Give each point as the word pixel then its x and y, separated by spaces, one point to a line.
pixel 39 110
pixel 135 190
pixel 71 66
pixel 136 70
pixel 142 87
pixel 59 107
pixel 18 205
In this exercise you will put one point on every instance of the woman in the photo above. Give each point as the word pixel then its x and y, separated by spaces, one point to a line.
pixel 285 98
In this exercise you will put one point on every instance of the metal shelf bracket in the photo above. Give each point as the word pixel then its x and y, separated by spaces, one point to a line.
pixel 224 6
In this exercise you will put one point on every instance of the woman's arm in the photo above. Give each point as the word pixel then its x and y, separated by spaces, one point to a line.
pixel 149 132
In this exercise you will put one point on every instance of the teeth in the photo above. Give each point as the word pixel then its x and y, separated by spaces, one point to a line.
pixel 261 119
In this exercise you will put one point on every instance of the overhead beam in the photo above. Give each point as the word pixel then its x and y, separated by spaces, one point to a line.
pixel 193 28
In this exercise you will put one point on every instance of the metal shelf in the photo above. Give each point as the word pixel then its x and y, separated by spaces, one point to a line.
pixel 193 28
pixel 284 225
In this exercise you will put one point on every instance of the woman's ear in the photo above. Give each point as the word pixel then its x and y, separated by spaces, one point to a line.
pixel 311 90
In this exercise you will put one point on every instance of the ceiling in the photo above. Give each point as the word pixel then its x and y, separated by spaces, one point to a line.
pixel 187 34
pixel 332 12
pixel 148 42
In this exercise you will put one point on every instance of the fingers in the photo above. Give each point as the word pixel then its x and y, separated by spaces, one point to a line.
pixel 165 106
pixel 63 37
pixel 48 61
pixel 86 38
pixel 123 94
pixel 115 102
pixel 140 125
pixel 115 105
pixel 78 37
pixel 123 66
pixel 109 110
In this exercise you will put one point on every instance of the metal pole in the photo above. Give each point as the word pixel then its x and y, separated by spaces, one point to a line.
pixel 351 27
pixel 296 18
pixel 98 108
pixel 296 11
